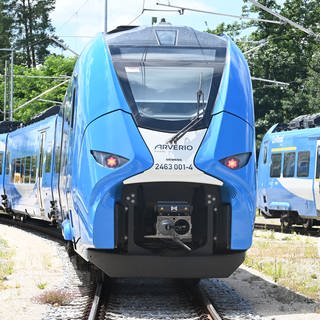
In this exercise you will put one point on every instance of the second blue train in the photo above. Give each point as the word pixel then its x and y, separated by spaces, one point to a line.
pixel 149 166
pixel 289 172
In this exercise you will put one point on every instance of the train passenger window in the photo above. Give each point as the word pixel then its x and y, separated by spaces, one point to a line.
pixel 33 169
pixel 1 162
pixel 57 159
pixel 265 154
pixel 27 170
pixel 289 164
pixel 7 163
pixel 22 169
pixel 275 168
pixel 16 173
pixel 48 161
pixel 318 164
pixel 13 164
pixel 303 164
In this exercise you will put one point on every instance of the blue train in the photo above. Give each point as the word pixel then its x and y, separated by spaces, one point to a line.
pixel 289 172
pixel 149 166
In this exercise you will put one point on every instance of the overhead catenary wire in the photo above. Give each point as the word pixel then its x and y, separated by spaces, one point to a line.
pixel 271 81
pixel 183 9
pixel 286 20
pixel 153 10
pixel 42 94
pixel 74 14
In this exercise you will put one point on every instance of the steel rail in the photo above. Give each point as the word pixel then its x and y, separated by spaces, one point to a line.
pixel 208 305
pixel 96 302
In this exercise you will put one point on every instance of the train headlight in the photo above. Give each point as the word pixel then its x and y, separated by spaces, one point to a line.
pixel 236 161
pixel 109 160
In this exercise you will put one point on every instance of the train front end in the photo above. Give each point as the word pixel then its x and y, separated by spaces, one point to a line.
pixel 165 183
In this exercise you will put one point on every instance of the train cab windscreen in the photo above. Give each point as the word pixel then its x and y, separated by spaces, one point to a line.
pixel 172 84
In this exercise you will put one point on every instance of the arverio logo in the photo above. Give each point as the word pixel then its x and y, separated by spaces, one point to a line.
pixel 174 147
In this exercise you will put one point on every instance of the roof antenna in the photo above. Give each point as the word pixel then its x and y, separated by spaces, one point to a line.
pixel 164 22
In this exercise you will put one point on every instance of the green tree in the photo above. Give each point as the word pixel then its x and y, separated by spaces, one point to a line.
pixel 5 32
pixel 30 82
pixel 32 29
pixel 285 58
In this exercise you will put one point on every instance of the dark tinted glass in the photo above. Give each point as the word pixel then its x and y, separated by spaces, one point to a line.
pixel 275 168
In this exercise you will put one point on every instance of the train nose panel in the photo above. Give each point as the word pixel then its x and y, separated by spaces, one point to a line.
pixel 169 218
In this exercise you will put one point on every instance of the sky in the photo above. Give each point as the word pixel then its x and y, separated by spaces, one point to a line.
pixel 76 22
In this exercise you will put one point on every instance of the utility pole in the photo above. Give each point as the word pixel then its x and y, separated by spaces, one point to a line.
pixel 106 16
pixel 5 90
pixel 11 89
pixel 11 82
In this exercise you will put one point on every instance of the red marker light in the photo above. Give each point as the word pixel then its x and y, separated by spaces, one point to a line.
pixel 236 161
pixel 112 162
pixel 232 163
pixel 109 160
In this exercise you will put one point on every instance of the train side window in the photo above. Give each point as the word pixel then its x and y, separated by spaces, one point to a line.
pixel 1 162
pixel 8 163
pixel 27 170
pixel 275 168
pixel 22 169
pixel 17 171
pixel 318 164
pixel 48 161
pixel 13 166
pixel 33 169
pixel 265 154
pixel 73 106
pixel 57 159
pixel 303 164
pixel 289 164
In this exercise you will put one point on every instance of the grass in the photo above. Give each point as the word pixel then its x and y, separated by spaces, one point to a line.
pixel 42 285
pixel 56 297
pixel 6 263
pixel 292 261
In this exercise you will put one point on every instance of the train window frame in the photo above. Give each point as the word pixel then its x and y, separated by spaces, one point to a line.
pixel 272 166
pixel 289 160
pixel 306 170
pixel 1 162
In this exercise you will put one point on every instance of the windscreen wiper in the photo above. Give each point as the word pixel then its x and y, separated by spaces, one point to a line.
pixel 195 120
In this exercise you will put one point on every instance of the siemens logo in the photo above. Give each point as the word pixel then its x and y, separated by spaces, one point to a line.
pixel 173 147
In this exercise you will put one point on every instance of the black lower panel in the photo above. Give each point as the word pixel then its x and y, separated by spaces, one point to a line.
pixel 188 266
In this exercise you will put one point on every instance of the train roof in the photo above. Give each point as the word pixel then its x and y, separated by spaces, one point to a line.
pixel 164 35
pixel 9 126
pixel 301 122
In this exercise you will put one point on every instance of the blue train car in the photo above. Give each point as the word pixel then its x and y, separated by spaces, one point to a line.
pixel 28 180
pixel 152 170
pixel 289 175
pixel 3 142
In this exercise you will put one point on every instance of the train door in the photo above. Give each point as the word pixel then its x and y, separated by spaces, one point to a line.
pixel 42 137
pixel 316 186
pixel 66 158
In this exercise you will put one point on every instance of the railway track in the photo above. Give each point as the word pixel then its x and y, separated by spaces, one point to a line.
pixel 315 232
pixel 152 300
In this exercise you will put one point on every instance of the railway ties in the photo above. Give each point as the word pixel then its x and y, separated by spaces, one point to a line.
pixel 151 299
